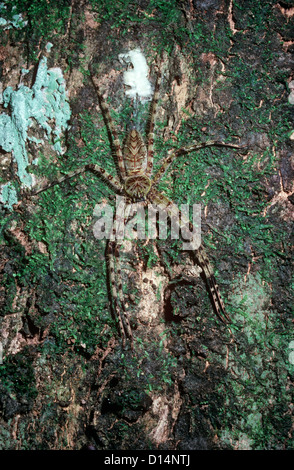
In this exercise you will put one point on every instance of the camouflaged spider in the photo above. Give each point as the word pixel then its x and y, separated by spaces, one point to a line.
pixel 136 183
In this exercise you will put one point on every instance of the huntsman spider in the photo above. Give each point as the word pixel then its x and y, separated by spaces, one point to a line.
pixel 136 182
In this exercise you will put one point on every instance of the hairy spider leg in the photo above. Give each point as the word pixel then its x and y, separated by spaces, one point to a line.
pixel 202 260
pixel 167 161
pixel 115 276
pixel 112 130
pixel 117 292
pixel 96 169
pixel 150 142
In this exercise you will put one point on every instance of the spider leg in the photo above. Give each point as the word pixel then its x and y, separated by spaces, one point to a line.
pixel 115 278
pixel 112 180
pixel 150 143
pixel 117 292
pixel 185 150
pixel 204 263
pixel 201 257
pixel 112 129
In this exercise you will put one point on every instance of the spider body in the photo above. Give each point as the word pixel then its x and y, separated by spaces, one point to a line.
pixel 136 182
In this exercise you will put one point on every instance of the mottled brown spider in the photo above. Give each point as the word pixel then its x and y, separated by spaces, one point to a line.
pixel 136 182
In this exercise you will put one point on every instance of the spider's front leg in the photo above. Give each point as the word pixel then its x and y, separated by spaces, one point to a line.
pixel 202 260
pixel 96 169
pixel 111 129
pixel 167 161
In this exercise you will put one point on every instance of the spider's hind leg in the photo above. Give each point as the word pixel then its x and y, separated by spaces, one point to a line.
pixel 199 252
pixel 117 296
pixel 207 271
pixel 115 276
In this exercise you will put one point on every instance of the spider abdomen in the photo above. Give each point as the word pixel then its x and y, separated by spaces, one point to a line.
pixel 135 154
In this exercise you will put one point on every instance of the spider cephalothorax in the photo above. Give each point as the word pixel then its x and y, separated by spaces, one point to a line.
pixel 137 183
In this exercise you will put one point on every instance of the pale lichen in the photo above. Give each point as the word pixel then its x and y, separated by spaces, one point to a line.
pixel 8 195
pixel 46 104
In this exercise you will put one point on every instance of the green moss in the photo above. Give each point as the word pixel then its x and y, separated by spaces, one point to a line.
pixel 18 379
pixel 41 21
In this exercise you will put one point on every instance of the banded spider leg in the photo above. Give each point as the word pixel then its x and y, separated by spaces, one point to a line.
pixel 199 252
pixel 166 204
pixel 114 269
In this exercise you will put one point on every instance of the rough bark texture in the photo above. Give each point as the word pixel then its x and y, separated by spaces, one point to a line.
pixel 190 382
